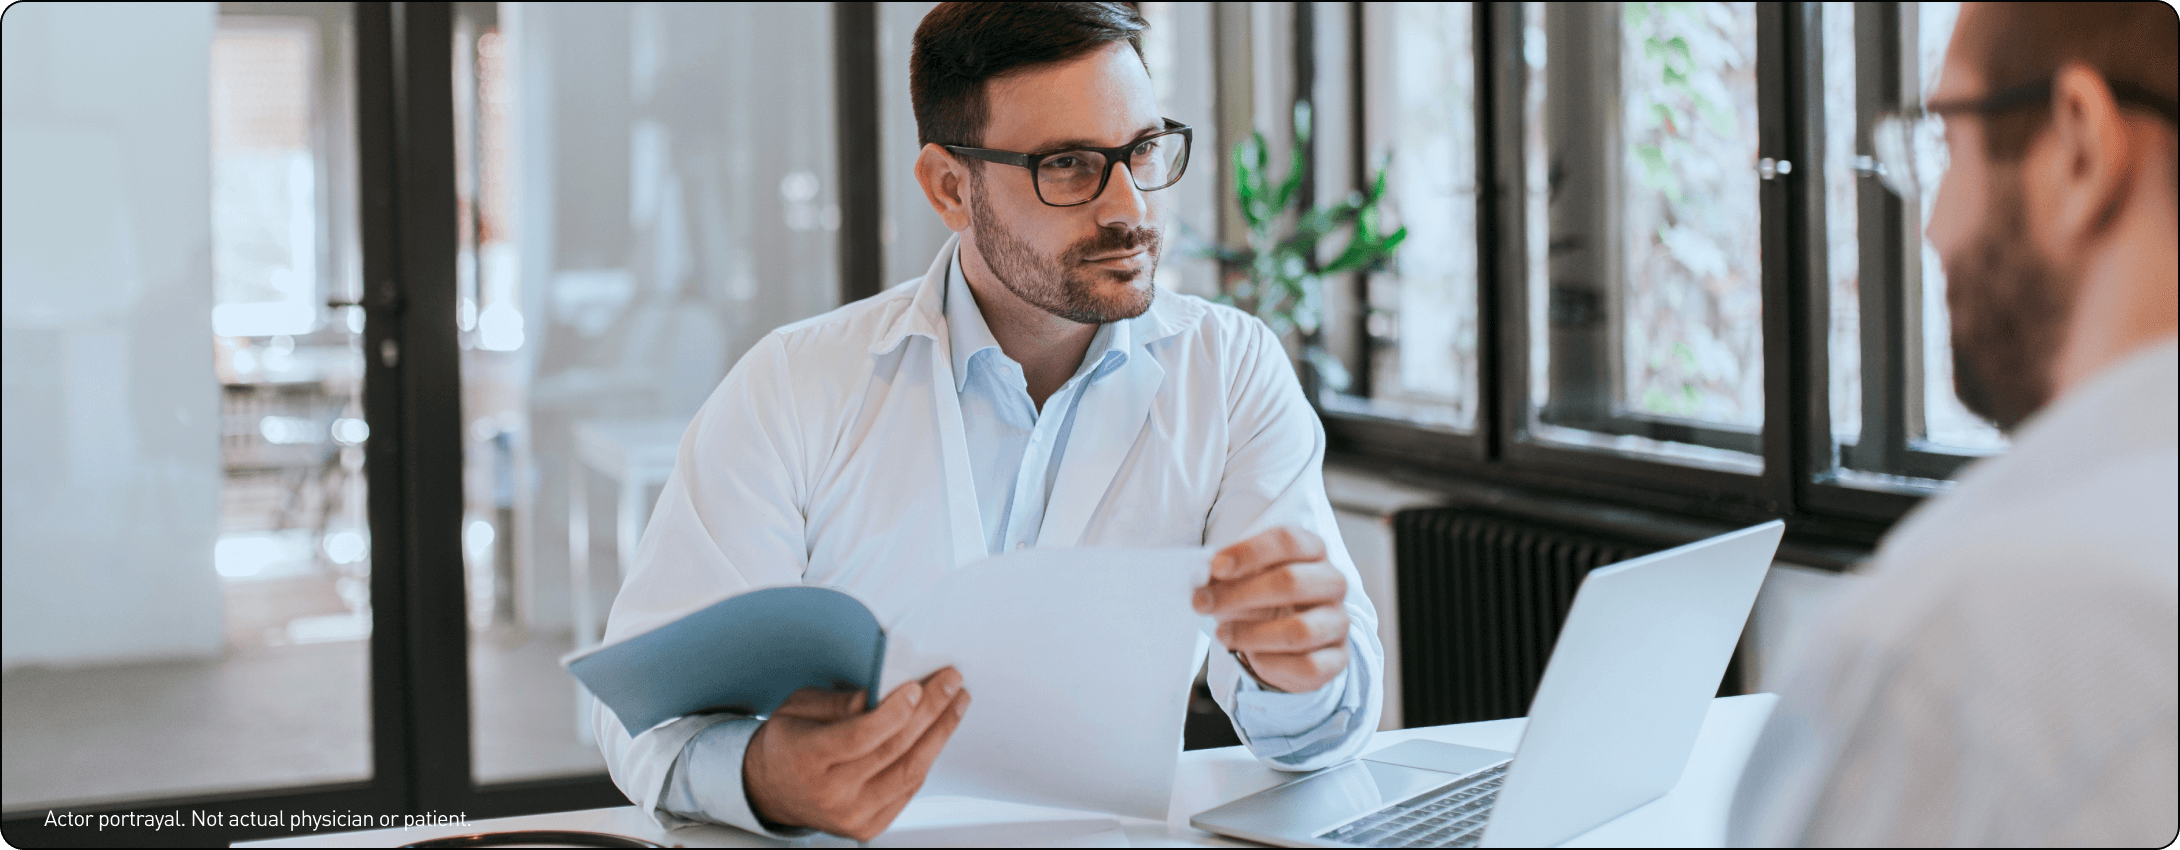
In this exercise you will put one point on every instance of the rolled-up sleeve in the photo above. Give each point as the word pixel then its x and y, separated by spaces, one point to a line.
pixel 1274 477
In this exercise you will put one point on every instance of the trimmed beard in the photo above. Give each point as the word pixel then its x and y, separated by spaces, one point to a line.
pixel 1064 286
pixel 2009 309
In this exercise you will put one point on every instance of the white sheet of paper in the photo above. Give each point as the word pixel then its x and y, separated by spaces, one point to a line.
pixel 1078 664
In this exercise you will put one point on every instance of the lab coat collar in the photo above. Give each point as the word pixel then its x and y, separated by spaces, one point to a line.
pixel 924 313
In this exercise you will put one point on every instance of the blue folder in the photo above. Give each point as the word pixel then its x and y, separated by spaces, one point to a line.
pixel 744 654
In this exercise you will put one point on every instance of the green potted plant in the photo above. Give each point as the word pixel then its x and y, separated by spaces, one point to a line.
pixel 1278 276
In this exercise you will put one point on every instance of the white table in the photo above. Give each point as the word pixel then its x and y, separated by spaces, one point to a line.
pixel 1693 814
pixel 635 455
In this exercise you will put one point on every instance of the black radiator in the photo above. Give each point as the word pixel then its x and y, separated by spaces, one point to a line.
pixel 1481 600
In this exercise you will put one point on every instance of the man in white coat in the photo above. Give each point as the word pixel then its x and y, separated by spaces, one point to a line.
pixel 1032 389
pixel 2004 673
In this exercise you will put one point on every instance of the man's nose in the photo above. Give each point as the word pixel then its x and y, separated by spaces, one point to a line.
pixel 1122 205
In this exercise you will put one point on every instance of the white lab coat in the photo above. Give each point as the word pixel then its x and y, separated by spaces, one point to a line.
pixel 833 455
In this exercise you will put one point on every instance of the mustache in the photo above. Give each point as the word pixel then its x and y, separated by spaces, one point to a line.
pixel 1115 239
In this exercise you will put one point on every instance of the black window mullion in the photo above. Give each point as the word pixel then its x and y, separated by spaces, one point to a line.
pixel 1812 295
pixel 1782 134
pixel 1363 354
pixel 1508 322
pixel 426 233
pixel 1880 230
pixel 1501 345
pixel 392 686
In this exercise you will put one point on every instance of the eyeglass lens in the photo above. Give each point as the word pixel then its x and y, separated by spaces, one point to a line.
pixel 1913 153
pixel 1073 177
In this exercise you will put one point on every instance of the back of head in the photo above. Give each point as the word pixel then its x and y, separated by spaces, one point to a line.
pixel 2013 44
pixel 960 47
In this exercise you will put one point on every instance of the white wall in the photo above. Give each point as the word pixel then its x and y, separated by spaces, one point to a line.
pixel 1792 595
pixel 110 423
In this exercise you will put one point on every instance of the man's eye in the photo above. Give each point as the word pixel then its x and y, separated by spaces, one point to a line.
pixel 1065 162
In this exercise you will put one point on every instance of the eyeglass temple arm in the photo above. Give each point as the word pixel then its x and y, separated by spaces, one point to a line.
pixel 2126 92
pixel 1001 157
pixel 2122 91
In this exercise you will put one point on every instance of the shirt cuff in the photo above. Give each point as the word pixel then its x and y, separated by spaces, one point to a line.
pixel 705 781
pixel 1294 727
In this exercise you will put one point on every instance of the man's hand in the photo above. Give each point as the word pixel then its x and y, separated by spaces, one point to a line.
pixel 1280 605
pixel 822 762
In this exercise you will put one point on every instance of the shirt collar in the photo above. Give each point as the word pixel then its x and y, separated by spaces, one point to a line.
pixel 968 334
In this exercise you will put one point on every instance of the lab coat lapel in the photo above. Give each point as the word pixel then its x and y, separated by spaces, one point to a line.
pixel 1107 423
pixel 966 524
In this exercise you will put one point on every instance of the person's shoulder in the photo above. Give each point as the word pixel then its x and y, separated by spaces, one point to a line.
pixel 2083 575
pixel 2112 520
pixel 1204 327
pixel 849 329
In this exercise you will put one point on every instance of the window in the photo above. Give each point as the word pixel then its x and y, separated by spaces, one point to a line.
pixel 634 215
pixel 1669 280
pixel 1893 335
pixel 1644 300
pixel 1420 317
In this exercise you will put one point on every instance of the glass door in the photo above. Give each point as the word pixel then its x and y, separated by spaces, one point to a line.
pixel 187 553
pixel 643 191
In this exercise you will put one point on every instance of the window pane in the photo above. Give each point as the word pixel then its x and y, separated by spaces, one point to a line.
pixel 1420 80
pixel 637 213
pixel 910 229
pixel 1873 435
pixel 1947 425
pixel 1177 51
pixel 186 552
pixel 1647 283
pixel 1841 222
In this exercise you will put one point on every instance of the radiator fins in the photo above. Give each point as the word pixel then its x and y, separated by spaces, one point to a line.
pixel 1481 601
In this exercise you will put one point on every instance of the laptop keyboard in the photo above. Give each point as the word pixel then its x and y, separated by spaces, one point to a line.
pixel 1452 816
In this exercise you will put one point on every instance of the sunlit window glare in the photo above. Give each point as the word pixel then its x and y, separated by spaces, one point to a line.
pixel 499 328
pixel 345 547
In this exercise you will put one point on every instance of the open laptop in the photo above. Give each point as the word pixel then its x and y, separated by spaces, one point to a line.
pixel 1614 719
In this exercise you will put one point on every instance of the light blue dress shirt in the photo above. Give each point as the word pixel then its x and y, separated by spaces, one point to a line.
pixel 1014 456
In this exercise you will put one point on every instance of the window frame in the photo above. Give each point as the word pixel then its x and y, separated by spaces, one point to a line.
pixel 1835 512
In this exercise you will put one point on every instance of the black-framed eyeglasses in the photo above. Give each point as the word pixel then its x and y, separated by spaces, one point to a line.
pixel 1075 176
pixel 1910 143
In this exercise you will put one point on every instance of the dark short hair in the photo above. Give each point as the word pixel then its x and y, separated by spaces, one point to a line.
pixel 2014 44
pixel 960 47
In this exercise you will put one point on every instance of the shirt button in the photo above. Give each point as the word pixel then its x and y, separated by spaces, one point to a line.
pixel 1020 545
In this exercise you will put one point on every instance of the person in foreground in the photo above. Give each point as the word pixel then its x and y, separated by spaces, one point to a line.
pixel 1033 389
pixel 2005 671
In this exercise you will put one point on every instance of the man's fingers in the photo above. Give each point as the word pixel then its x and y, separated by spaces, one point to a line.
pixel 905 777
pixel 939 692
pixel 906 774
pixel 877 822
pixel 1269 549
pixel 1293 585
pixel 1305 631
pixel 854 737
pixel 823 706
pixel 1300 672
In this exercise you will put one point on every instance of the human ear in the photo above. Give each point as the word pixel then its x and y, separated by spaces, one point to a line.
pixel 2090 160
pixel 945 182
